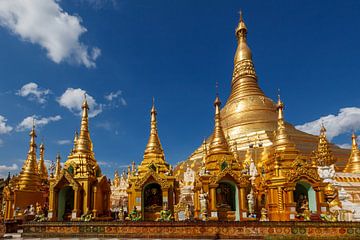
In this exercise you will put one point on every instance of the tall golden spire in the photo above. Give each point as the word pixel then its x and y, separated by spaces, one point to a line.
pixel 243 66
pixel 29 178
pixel 76 136
pixel 154 157
pixel 281 137
pixel 353 164
pixel 218 143
pixel 84 143
pixel 323 154
pixel 247 108
pixel 41 165
pixel 153 145
pixel 58 166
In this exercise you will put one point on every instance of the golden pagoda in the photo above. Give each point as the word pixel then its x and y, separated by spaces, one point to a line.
pixel 26 189
pixel 41 165
pixel 151 185
pixel 353 164
pixel 250 117
pixel 221 179
pixel 79 188
pixel 278 164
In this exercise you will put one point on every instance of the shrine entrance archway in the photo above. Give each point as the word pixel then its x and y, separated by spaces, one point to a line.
pixel 304 197
pixel 152 201
pixel 65 203
pixel 227 201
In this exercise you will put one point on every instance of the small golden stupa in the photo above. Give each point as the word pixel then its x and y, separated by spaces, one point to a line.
pixel 79 188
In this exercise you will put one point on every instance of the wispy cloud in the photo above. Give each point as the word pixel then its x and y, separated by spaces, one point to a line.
pixel 4 128
pixel 45 23
pixel 4 169
pixel 72 99
pixel 347 120
pixel 63 142
pixel 27 123
pixel 104 125
pixel 116 99
pixel 33 92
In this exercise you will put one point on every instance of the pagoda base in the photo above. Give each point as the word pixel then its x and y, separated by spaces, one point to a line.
pixel 194 230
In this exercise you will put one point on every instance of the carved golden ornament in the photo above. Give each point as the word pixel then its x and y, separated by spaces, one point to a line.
pixel 244 68
pixel 65 174
pixel 323 154
pixel 139 183
pixel 301 168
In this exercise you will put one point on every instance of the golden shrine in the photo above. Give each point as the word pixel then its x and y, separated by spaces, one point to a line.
pixel 151 184
pixel 30 188
pixel 79 189
pixel 265 168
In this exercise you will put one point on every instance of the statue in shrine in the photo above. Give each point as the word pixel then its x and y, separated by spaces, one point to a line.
pixel 252 171
pixel 31 210
pixel 134 215
pixel 188 213
pixel 121 214
pixel 165 214
pixel 203 204
pixel 264 217
pixel 39 210
pixel 251 203
pixel 303 208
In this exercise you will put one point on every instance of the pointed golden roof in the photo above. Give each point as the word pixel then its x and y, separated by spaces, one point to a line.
pixel 76 136
pixel 29 178
pixel 82 156
pixel 323 154
pixel 153 146
pixel 41 165
pixel 282 141
pixel 83 143
pixel 247 108
pixel 58 166
pixel 218 143
pixel 353 164
pixel 154 157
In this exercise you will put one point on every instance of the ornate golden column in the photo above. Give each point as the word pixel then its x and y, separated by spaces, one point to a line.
pixel 95 207
pixel 76 210
pixel 196 204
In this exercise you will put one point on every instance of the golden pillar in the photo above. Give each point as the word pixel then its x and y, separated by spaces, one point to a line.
pixel 196 204
pixel 95 201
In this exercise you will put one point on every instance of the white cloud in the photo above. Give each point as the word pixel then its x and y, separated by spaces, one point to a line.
pixel 13 167
pixel 33 92
pixel 345 145
pixel 4 169
pixel 72 99
pixel 64 142
pixel 4 128
pixel 45 23
pixel 347 120
pixel 27 123
pixel 113 96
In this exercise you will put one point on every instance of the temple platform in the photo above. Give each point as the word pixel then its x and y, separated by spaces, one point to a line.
pixel 194 230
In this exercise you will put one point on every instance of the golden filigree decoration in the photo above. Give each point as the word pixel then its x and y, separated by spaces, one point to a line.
pixel 301 168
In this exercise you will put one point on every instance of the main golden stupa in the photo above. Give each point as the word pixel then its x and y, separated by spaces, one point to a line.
pixel 249 117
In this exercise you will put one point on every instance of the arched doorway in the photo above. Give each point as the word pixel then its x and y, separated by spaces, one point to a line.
pixel 65 203
pixel 153 201
pixel 227 201
pixel 304 197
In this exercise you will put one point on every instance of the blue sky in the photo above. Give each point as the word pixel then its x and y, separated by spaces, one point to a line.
pixel 122 53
